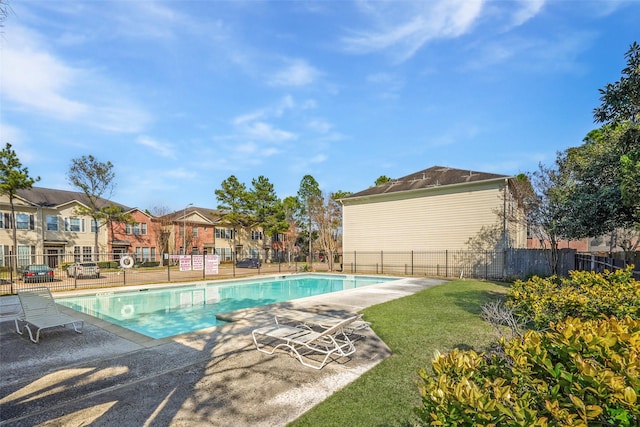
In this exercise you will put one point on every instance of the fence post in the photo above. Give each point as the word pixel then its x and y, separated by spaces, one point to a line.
pixel 355 263
pixel 446 263
pixel 412 263
pixel 486 265
pixel 381 262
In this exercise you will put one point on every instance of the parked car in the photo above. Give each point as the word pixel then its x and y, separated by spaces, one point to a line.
pixel 37 273
pixel 83 269
pixel 249 263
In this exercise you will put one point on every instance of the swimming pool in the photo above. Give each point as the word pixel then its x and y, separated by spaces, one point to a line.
pixel 165 312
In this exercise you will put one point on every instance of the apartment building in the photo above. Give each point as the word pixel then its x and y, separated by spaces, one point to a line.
pixel 49 228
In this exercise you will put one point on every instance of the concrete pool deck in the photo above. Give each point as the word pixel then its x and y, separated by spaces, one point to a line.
pixel 111 376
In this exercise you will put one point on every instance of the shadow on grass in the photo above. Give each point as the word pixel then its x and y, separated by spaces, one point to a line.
pixel 472 301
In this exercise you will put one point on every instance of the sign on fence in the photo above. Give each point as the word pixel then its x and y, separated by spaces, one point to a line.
pixel 185 262
pixel 211 263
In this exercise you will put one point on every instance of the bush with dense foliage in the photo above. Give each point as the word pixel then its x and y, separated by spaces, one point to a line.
pixel 577 373
pixel 585 295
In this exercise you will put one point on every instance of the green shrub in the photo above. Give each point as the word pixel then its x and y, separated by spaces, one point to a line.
pixel 149 264
pixel 585 295
pixel 108 264
pixel 578 373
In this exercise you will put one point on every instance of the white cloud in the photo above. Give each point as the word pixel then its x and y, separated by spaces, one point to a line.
pixel 297 73
pixel 162 149
pixel 320 126
pixel 528 9
pixel 403 28
pixel 35 80
pixel 262 131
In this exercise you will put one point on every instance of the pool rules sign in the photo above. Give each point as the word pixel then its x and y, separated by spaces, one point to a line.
pixel 194 262
pixel 211 263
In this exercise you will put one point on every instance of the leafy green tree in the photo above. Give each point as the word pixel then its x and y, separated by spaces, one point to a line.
pixel 382 179
pixel 114 213
pixel 96 180
pixel 620 101
pixel 308 194
pixel 234 202
pixel 266 208
pixel 13 177
pixel 602 175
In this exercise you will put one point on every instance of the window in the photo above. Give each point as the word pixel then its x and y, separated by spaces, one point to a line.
pixel 136 228
pixel 87 252
pixel 5 220
pixel 52 223
pixel 256 235
pixel 26 255
pixel 94 227
pixel 223 233
pixel 223 253
pixel 74 224
pixel 24 221
pixel 194 231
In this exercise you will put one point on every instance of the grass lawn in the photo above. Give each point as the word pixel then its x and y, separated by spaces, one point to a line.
pixel 414 327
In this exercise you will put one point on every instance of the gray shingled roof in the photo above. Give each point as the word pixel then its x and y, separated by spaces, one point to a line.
pixel 435 176
pixel 48 197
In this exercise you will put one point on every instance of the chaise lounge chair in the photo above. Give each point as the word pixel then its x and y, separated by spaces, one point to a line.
pixel 323 321
pixel 39 309
pixel 304 342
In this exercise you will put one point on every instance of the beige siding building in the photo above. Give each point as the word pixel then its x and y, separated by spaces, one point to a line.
pixel 436 209
pixel 48 228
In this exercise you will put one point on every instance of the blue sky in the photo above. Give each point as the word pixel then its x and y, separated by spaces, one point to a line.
pixel 179 95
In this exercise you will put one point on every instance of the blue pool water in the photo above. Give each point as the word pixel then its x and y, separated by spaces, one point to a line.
pixel 165 312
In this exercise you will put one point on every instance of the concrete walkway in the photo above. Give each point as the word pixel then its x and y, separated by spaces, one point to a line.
pixel 110 376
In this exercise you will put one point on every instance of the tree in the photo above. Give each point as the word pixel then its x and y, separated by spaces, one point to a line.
pixel 325 212
pixel 95 180
pixel 266 208
pixel 602 175
pixel 4 11
pixel 382 179
pixel 308 193
pixel 160 223
pixel 114 213
pixel 291 207
pixel 620 101
pixel 13 177
pixel 546 210
pixel 233 201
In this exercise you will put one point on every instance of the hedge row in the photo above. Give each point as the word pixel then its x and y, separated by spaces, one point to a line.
pixel 578 373
pixel 585 295
pixel 580 367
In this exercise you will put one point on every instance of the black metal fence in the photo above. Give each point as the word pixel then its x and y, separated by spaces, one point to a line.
pixel 500 265
pixel 118 269
pixel 490 265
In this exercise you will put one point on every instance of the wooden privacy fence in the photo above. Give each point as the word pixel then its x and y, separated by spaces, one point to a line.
pixel 600 263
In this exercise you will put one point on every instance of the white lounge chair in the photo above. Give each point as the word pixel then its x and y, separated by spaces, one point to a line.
pixel 39 309
pixel 304 342
pixel 324 321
